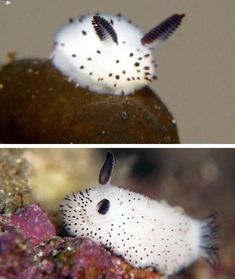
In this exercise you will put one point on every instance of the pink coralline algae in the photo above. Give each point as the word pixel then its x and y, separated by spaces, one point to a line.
pixel 77 258
pixel 29 249
pixel 16 254
pixel 34 223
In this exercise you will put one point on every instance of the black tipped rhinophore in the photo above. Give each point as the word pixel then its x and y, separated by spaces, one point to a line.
pixel 162 31
pixel 209 235
pixel 104 29
pixel 107 168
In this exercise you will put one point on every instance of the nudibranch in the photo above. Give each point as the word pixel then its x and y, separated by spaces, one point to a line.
pixel 108 53
pixel 145 232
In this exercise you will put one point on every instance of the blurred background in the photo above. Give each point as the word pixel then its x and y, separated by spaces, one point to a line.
pixel 200 181
pixel 196 65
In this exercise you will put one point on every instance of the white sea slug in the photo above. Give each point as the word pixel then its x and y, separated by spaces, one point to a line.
pixel 145 232
pixel 108 53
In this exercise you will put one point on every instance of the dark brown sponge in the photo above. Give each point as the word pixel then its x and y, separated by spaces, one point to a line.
pixel 40 105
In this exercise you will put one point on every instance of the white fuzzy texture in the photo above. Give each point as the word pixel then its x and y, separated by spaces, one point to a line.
pixel 104 66
pixel 145 232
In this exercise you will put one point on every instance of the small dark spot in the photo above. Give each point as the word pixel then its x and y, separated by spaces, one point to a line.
pixel 117 61
pixel 117 76
pixel 154 77
pixel 140 58
pixel 74 55
pixel 119 15
pixel 89 58
pixel 115 85
pixel 71 20
pixel 128 79
pixel 123 42
pixel 146 68
pixel 82 67
pixel 90 73
pixel 124 72
pixel 131 54
pixel 137 64
pixel 147 55
pixel 98 51
pixel 62 44
pixel 84 32
pixel 82 17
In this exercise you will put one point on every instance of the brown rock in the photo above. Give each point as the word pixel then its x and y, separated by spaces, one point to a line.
pixel 39 105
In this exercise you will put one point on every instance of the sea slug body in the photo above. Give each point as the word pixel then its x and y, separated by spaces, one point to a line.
pixel 145 232
pixel 108 53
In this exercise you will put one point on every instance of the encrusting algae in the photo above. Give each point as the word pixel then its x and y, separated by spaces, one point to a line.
pixel 14 188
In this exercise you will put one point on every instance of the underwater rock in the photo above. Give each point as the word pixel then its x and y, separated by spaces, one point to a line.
pixel 34 223
pixel 14 189
pixel 40 105
pixel 82 258
pixel 61 258
pixel 124 270
pixel 22 256
pixel 16 254
pixel 76 258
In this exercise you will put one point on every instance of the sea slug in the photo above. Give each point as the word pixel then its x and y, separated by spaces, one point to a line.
pixel 108 53
pixel 145 232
